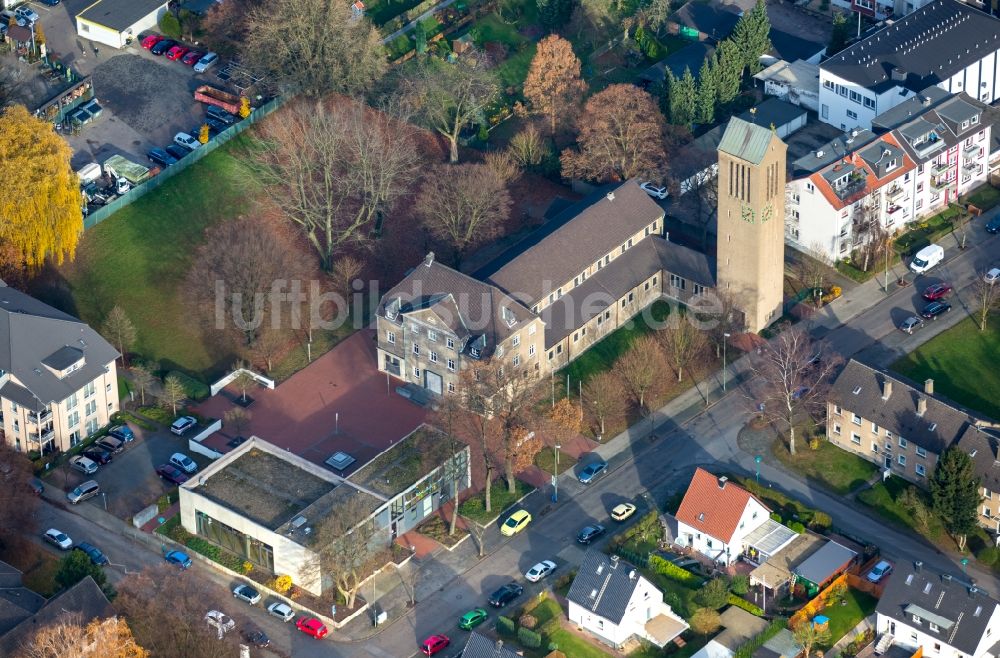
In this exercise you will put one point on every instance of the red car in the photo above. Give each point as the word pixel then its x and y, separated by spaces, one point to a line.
pixel 937 291
pixel 176 53
pixel 192 57
pixel 433 644
pixel 311 626
pixel 151 40
pixel 171 473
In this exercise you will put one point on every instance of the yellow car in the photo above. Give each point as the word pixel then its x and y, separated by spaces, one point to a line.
pixel 515 523
pixel 623 511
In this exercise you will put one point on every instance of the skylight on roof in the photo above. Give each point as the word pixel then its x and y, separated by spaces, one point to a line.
pixel 857 389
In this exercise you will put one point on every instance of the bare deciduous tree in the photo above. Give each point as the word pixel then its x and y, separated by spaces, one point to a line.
pixel 17 501
pixel 789 379
pixel 345 542
pixel 720 315
pixel 987 297
pixel 173 394
pixel 449 97
pixel 683 344
pixel 237 417
pixel 639 367
pixel 68 637
pixel 528 147
pixel 120 331
pixel 345 271
pixel 143 378
pixel 503 165
pixel 270 344
pixel 446 418
pixel 166 614
pixel 869 234
pixel 604 397
pixel 316 47
pixel 335 168
pixel 463 205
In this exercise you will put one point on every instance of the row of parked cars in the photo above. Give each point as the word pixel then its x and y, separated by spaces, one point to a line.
pixel 217 120
pixel 62 541
pixel 199 60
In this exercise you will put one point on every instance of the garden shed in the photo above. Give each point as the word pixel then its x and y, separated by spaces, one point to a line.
pixel 824 565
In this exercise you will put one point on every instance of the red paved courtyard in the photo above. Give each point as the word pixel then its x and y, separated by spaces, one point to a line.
pixel 301 414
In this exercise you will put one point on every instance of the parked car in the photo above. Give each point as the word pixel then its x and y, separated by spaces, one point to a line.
pixel 94 553
pixel 434 644
pixel 58 539
pixel 182 424
pixel 911 324
pixel 993 226
pixel 220 620
pixel 505 594
pixel 934 309
pixel 256 637
pixel 183 462
pixel 879 571
pixel 515 523
pixel 162 46
pixel 540 570
pixel 26 14
pixel 86 490
pixel 312 626
pixel 219 114
pixel 99 455
pixel 83 464
pixel 247 593
pixel 150 40
pixel 992 276
pixel 111 444
pixel 622 511
pixel 36 485
pixel 216 126
pixel 654 191
pixel 207 61
pixel 180 558
pixel 161 157
pixel 187 141
pixel 927 258
pixel 177 52
pixel 282 611
pixel 472 618
pixel 590 533
pixel 123 433
pixel 937 291
pixel 191 57
pixel 592 471
pixel 171 474
pixel 177 151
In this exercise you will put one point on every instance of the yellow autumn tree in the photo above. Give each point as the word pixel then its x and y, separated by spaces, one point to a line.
pixel 40 200
pixel 68 638
pixel 203 134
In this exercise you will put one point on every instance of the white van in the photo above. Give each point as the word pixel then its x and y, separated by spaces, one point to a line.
pixel 927 258
pixel 88 173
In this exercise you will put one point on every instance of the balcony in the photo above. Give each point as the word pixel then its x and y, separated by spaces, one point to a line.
pixel 40 419
pixel 938 168
pixel 894 193
pixel 895 211
pixel 854 185
pixel 939 183
pixel 46 435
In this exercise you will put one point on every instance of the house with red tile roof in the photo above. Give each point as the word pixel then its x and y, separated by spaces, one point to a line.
pixel 724 521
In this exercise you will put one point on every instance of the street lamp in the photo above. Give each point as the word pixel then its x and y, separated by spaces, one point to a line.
pixel 965 563
pixel 555 476
pixel 757 460
pixel 724 372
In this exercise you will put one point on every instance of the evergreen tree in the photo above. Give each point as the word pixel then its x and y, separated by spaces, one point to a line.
pixel 752 36
pixel 728 72
pixel 707 93
pixel 839 36
pixel 683 96
pixel 955 494
pixel 554 13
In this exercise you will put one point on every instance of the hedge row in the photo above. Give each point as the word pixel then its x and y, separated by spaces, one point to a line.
pixel 193 388
pixel 747 649
pixel 674 572
pixel 740 602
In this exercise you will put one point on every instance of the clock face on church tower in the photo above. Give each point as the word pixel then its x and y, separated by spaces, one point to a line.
pixel 747 213
pixel 767 213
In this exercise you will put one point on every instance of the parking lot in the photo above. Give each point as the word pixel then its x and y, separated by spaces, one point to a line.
pixel 146 99
pixel 130 483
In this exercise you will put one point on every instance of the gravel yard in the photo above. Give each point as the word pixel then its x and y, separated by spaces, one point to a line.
pixel 146 94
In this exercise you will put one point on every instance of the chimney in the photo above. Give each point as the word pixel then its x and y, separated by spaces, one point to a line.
pixel 918 565
pixel 886 389
pixel 722 482
pixel 631 575
pixel 428 259
pixel 929 386
pixel 921 406
pixel 614 561
pixel 611 196
pixel 898 75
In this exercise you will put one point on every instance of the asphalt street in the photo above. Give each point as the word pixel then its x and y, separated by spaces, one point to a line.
pixel 658 467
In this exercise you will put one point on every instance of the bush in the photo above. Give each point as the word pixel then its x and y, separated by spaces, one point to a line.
pixel 775 517
pixel 529 638
pixel 740 584
pixel 193 388
pixel 505 625
pixel 797 527
pixel 740 602
pixel 282 584
pixel 170 26
pixel 821 521
pixel 528 621
pixel 714 594
pixel 990 556
pixel 673 572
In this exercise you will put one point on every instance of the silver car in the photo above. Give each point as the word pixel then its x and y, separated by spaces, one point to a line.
pixel 86 490
pixel 83 464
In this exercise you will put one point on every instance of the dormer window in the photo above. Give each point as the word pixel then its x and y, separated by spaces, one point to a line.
pixel 933 627
pixel 974 120
pixel 64 361
pixel 891 164
pixel 917 620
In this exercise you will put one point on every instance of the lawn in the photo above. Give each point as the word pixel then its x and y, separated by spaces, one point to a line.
pixel 475 507
pixel 545 460
pixel 884 497
pixel 843 618
pixel 837 469
pixel 962 363
pixel 985 197
pixel 574 646
pixel 37 565
pixel 138 258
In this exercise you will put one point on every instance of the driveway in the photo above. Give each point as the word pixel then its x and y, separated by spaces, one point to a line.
pixel 130 483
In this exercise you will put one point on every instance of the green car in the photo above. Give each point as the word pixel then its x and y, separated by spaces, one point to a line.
pixel 472 618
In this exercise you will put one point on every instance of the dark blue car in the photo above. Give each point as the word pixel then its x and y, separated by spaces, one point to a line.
pixel 163 46
pixel 591 471
pixel 993 226
pixel 161 157
pixel 94 553
pixel 122 433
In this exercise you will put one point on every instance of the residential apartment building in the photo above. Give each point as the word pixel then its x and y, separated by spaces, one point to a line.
pixel 542 303
pixel 982 442
pixel 936 615
pixel 944 43
pixel 921 157
pixel 58 380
